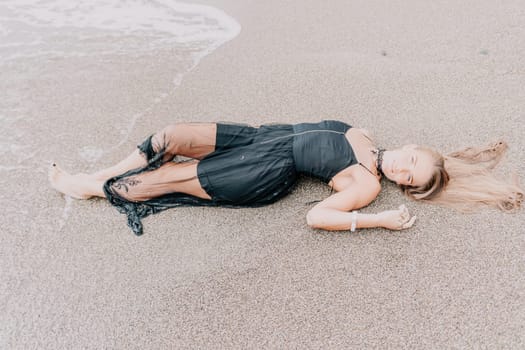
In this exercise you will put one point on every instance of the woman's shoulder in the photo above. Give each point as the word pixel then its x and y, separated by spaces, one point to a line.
pixel 356 177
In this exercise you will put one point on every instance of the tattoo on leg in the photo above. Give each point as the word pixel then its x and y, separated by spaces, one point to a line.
pixel 125 183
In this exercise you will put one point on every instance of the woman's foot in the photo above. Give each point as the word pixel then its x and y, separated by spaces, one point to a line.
pixel 75 186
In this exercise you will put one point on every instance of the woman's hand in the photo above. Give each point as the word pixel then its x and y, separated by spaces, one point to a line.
pixel 396 219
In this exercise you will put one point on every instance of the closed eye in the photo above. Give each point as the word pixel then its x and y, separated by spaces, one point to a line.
pixel 414 161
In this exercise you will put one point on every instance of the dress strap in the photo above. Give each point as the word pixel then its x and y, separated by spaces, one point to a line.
pixel 364 166
pixel 365 135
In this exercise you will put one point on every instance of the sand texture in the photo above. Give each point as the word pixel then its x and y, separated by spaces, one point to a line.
pixel 443 73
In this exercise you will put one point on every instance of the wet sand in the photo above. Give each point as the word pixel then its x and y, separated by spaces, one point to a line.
pixel 445 74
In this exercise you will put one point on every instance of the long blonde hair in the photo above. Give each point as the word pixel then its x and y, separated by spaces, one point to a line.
pixel 465 180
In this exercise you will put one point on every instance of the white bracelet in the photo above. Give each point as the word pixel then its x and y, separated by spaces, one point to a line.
pixel 354 221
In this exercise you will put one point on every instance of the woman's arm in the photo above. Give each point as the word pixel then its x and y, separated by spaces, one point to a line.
pixel 333 213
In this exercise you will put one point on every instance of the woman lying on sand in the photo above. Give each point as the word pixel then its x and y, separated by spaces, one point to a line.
pixel 238 165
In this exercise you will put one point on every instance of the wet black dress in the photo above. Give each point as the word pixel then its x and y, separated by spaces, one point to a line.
pixel 251 166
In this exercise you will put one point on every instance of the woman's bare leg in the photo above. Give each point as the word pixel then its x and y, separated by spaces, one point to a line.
pixel 79 186
pixel 193 140
pixel 169 178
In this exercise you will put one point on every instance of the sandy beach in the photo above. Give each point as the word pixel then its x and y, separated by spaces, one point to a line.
pixel 446 74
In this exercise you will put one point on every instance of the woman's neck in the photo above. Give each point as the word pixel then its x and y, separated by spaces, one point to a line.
pixel 379 152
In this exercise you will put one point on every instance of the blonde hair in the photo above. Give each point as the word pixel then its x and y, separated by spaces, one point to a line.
pixel 465 181
pixel 437 182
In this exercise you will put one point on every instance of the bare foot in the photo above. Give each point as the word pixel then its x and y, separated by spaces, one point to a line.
pixel 72 185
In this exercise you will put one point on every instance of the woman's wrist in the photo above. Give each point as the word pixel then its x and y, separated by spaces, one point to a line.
pixel 368 220
pixel 332 219
pixel 379 219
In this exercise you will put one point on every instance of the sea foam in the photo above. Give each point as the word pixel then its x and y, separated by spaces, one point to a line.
pixel 34 33
pixel 36 28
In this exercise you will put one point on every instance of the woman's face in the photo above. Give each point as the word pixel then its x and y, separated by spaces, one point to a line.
pixel 408 166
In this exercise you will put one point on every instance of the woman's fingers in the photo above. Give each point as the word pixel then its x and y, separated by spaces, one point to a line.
pixel 409 223
pixel 403 213
pixel 399 219
pixel 405 221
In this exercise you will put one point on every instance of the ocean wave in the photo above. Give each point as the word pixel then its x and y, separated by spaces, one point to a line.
pixel 30 28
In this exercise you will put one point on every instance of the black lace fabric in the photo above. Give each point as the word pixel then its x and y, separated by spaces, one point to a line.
pixel 250 167
pixel 127 192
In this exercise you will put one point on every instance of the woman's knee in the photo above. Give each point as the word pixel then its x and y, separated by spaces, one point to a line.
pixel 194 140
pixel 167 138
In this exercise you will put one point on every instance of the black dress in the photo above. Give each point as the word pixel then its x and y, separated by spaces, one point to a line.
pixel 251 166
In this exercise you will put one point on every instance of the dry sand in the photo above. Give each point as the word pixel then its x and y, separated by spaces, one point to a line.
pixel 442 73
